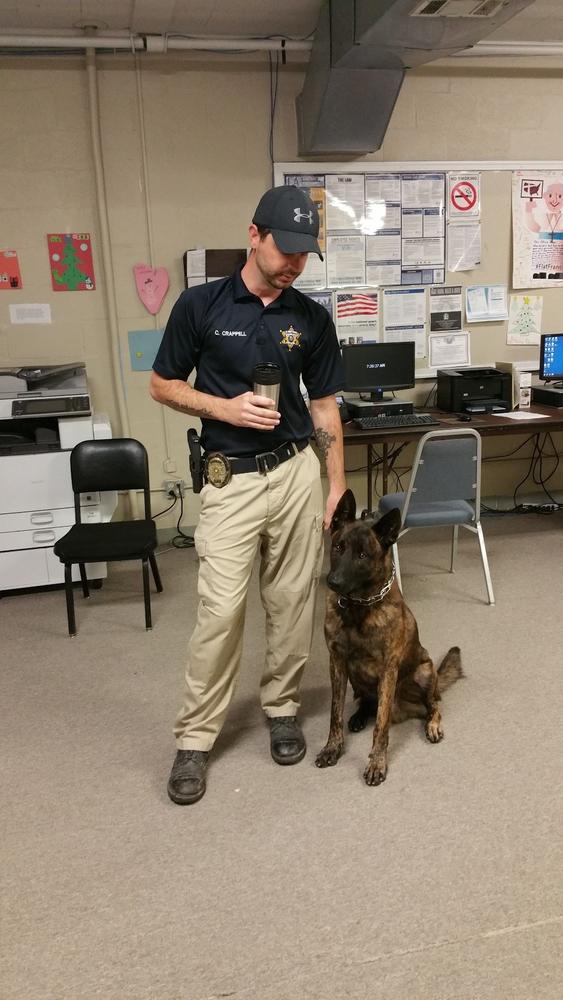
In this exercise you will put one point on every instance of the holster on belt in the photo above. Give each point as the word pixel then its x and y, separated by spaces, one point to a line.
pixel 195 460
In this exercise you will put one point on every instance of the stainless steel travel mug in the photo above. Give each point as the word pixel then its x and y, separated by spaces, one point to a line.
pixel 266 378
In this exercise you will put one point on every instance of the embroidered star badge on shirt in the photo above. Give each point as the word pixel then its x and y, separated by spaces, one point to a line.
pixel 290 338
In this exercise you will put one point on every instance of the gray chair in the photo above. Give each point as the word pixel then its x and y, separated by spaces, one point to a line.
pixel 444 489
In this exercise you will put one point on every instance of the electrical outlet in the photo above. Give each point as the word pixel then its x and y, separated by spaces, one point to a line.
pixel 174 487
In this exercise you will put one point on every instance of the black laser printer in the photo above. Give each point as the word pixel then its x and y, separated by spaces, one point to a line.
pixel 474 390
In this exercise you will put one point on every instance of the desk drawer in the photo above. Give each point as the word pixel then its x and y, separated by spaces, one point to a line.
pixel 36 482
pixel 39 567
pixel 38 538
pixel 23 569
pixel 37 519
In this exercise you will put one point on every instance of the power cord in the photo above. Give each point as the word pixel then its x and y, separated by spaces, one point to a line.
pixel 536 472
pixel 166 509
pixel 434 389
pixel 180 540
pixel 535 469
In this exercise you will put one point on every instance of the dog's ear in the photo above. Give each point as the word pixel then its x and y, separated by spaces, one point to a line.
pixel 345 511
pixel 388 527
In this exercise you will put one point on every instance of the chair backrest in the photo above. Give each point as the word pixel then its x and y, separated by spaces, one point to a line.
pixel 112 464
pixel 446 467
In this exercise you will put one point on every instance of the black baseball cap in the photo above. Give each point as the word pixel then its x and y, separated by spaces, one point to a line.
pixel 292 218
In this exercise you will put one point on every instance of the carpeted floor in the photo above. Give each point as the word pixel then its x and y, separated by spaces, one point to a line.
pixel 286 883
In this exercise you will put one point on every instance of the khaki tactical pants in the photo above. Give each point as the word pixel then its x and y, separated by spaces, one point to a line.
pixel 280 514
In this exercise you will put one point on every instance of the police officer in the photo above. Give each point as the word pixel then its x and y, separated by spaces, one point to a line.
pixel 263 491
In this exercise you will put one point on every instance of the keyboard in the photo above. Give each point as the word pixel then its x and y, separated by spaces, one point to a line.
pixel 392 421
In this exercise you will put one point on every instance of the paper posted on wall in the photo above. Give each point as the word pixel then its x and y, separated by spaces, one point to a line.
pixel 448 350
pixel 464 246
pixel 464 195
pixel 537 228
pixel 404 316
pixel 376 228
pixel 10 275
pixel 524 320
pixel 32 312
pixel 445 308
pixel 486 303
pixel 357 315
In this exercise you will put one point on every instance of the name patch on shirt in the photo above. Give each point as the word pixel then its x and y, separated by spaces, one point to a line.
pixel 230 333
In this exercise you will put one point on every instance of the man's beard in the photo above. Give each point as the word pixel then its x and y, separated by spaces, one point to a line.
pixel 279 279
pixel 275 278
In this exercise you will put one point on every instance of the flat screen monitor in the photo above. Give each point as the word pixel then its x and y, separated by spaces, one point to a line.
pixel 551 356
pixel 375 368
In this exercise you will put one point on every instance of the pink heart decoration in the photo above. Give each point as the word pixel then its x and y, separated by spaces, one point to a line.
pixel 152 285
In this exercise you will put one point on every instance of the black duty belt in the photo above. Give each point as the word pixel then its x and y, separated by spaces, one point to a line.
pixel 219 468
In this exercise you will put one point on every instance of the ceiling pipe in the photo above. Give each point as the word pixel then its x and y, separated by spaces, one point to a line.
pixel 165 43
pixel 78 41
pixel 483 49
pixel 238 44
pixel 151 43
pixel 105 239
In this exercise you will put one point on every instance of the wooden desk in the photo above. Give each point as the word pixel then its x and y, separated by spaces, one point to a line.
pixel 486 424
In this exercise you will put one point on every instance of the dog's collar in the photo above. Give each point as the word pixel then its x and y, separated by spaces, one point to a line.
pixel 366 602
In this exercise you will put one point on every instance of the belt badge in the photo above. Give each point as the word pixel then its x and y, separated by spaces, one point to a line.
pixel 218 469
pixel 290 338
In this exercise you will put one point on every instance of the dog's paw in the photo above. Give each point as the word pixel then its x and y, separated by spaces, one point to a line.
pixel 375 772
pixel 357 721
pixel 434 731
pixel 328 756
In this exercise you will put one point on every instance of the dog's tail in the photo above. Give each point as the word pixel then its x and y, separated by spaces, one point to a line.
pixel 450 669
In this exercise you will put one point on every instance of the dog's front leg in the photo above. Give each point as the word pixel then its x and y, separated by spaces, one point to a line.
pixel 376 771
pixel 330 753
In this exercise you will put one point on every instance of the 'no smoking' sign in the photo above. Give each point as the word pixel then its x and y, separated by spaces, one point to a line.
pixel 463 201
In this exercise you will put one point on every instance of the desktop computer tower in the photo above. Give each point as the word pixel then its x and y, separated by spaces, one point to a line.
pixel 547 395
pixel 390 407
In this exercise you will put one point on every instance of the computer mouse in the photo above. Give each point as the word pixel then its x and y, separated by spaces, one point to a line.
pixel 465 417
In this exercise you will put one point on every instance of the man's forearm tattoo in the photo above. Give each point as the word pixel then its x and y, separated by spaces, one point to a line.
pixel 324 440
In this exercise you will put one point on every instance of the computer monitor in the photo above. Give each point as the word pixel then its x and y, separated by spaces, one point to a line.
pixel 376 367
pixel 551 356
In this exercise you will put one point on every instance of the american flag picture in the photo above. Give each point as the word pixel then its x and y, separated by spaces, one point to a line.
pixel 356 304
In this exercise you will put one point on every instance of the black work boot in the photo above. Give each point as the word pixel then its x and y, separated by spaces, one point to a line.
pixel 187 777
pixel 287 743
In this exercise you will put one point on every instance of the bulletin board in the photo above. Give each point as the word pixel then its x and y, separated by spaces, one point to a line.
pixel 414 250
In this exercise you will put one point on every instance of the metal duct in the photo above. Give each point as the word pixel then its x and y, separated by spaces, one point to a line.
pixel 359 57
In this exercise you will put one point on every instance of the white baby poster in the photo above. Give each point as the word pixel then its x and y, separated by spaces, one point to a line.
pixel 537 228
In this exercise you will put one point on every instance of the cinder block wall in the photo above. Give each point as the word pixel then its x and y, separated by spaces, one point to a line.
pixel 205 121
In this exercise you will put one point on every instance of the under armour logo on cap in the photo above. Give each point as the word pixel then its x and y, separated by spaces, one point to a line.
pixel 292 218
pixel 298 215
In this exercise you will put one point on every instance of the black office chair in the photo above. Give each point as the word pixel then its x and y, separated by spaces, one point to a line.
pixel 114 464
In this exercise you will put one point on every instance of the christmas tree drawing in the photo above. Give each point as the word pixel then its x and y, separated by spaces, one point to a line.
pixel 71 262
pixel 525 319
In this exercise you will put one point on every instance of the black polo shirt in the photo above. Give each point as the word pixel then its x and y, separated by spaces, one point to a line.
pixel 223 330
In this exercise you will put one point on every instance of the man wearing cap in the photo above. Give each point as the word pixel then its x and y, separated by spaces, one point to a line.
pixel 263 488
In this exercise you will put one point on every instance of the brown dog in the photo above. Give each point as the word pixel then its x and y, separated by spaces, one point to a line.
pixel 372 638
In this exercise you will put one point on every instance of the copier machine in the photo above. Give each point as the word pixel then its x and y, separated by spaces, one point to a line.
pixel 44 411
